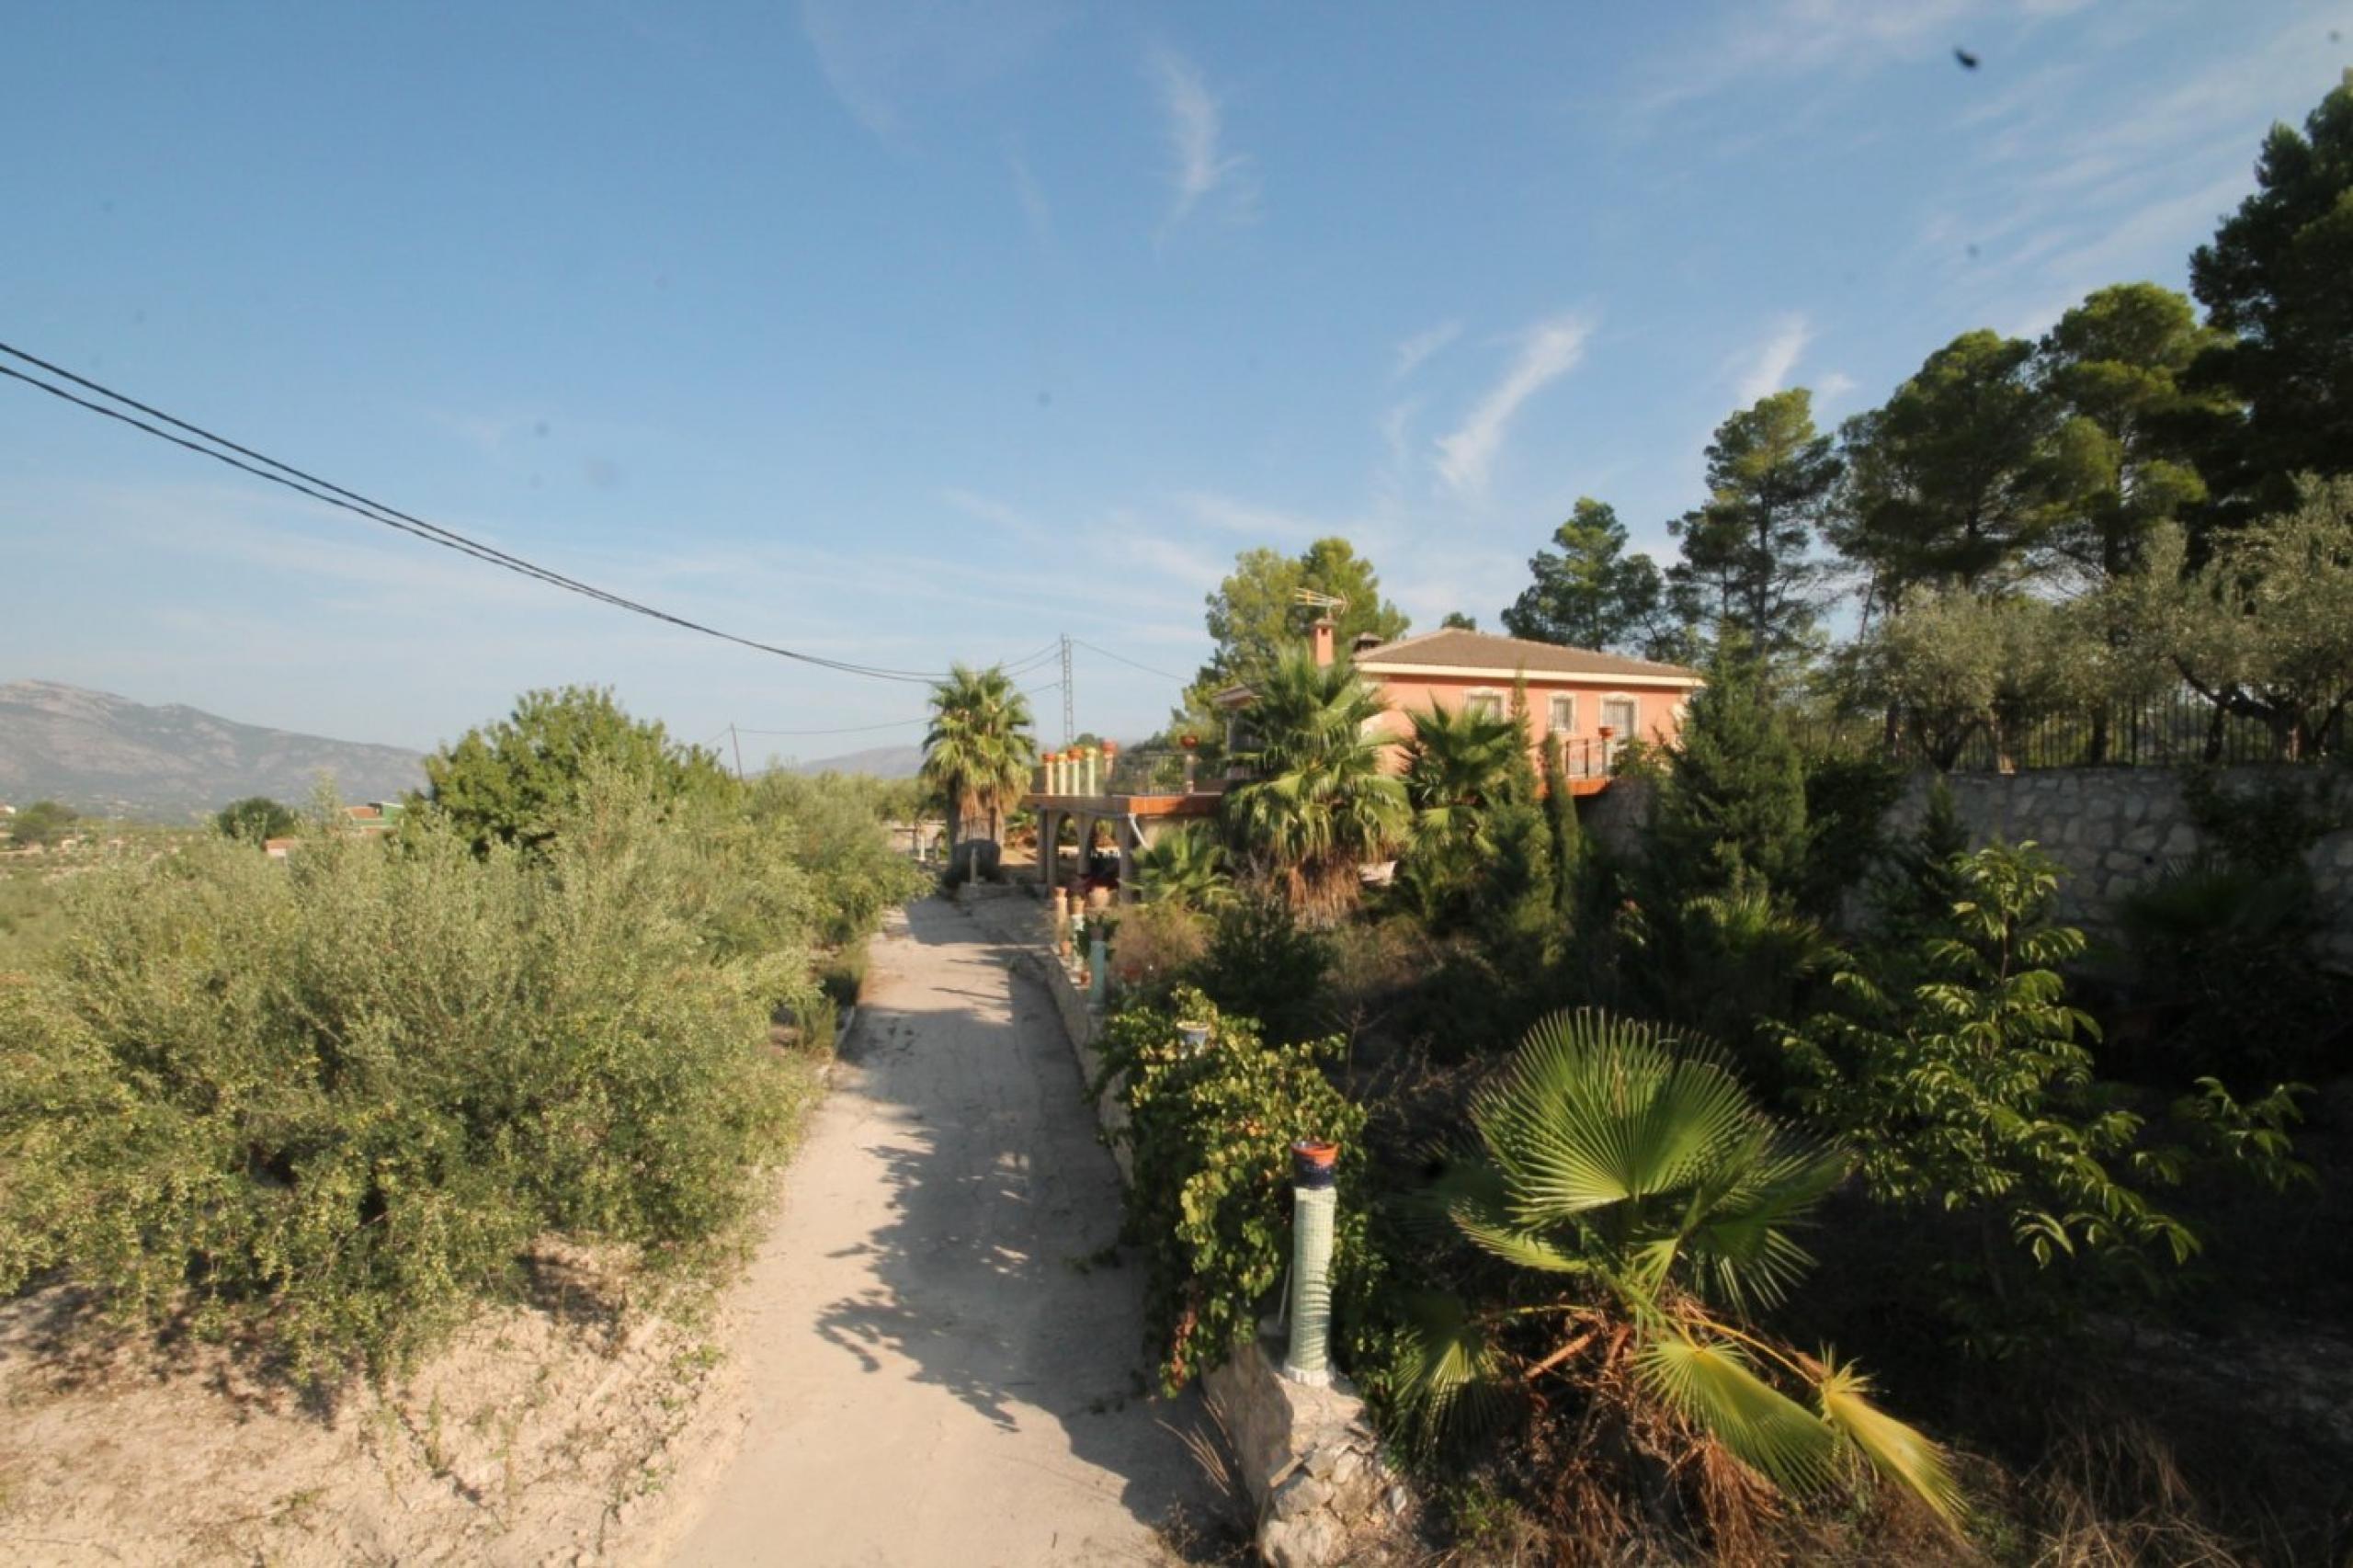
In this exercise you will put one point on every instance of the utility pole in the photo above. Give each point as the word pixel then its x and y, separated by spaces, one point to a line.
pixel 738 744
pixel 1070 730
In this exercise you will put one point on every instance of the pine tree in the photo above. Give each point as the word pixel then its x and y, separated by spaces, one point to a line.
pixel 1521 781
pixel 1732 808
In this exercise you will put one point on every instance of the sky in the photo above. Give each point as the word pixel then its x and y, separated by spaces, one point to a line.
pixel 907 330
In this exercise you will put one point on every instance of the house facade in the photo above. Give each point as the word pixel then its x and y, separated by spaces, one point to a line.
pixel 1595 703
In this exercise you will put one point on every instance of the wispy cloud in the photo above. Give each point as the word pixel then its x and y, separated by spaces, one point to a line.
pixel 1196 135
pixel 1830 389
pixel 1416 349
pixel 1802 37
pixel 882 56
pixel 1768 365
pixel 1549 350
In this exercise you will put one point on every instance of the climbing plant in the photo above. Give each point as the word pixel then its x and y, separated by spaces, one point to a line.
pixel 1208 1133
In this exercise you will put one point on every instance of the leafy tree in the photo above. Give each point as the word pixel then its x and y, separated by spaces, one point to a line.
pixel 1456 620
pixel 1588 592
pixel 2115 366
pixel 1646 1206
pixel 2274 277
pixel 255 819
pixel 1253 618
pixel 1951 664
pixel 1732 804
pixel 1959 1074
pixel 1948 484
pixel 2262 630
pixel 516 781
pixel 1319 804
pixel 42 822
pixel 1747 552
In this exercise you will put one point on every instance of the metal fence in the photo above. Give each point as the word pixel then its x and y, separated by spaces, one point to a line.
pixel 2180 728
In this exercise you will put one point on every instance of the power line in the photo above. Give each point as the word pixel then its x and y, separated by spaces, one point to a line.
pixel 334 495
pixel 844 729
pixel 1123 658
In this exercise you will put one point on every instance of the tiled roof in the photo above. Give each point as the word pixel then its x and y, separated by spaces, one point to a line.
pixel 1483 653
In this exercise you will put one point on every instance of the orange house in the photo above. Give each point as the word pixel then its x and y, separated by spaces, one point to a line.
pixel 1596 703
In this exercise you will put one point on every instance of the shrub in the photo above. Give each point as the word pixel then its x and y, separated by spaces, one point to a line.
pixel 1263 963
pixel 324 1105
pixel 834 824
pixel 1959 1074
pixel 1154 946
pixel 42 822
pixel 1211 1132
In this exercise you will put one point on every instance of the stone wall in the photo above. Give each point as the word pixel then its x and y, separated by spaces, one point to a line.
pixel 2113 830
pixel 1311 1461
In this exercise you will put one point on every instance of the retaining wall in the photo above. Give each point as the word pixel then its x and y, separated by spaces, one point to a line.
pixel 2112 830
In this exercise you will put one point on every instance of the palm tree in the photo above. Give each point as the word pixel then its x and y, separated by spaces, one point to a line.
pixel 1183 867
pixel 1319 804
pixel 1626 1163
pixel 979 751
pixel 1458 765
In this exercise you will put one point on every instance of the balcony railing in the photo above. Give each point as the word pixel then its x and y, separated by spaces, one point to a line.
pixel 1145 771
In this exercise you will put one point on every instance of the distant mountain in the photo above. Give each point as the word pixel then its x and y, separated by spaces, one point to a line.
pixel 882 762
pixel 99 752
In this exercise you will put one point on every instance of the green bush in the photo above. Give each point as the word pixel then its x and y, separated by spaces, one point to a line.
pixel 1265 963
pixel 1210 1130
pixel 834 824
pixel 323 1105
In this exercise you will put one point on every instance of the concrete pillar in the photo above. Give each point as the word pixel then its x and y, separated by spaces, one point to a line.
pixel 1046 830
pixel 1128 846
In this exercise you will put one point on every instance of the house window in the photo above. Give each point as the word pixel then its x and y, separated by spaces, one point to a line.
pixel 1564 712
pixel 1484 704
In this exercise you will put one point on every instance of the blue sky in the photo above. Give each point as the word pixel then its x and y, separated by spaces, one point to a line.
pixel 909 332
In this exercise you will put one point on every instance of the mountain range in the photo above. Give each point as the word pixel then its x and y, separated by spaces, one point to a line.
pixel 107 755
pixel 879 762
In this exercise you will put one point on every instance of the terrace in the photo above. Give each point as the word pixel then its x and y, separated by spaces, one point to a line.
pixel 1128 797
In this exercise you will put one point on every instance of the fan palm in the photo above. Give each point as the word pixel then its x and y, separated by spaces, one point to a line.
pixel 1458 765
pixel 1182 868
pixel 979 751
pixel 1319 804
pixel 1628 1162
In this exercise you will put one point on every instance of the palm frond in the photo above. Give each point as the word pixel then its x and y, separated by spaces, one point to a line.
pixel 1450 1373
pixel 1899 1453
pixel 1598 1110
pixel 1526 1248
pixel 1713 1387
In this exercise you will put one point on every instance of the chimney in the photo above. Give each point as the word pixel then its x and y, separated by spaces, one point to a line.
pixel 1322 643
pixel 1365 642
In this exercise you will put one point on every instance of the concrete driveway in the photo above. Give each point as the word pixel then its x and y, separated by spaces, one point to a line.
pixel 936 1372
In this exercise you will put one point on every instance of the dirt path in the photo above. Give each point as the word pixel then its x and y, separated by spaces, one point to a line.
pixel 933 1374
